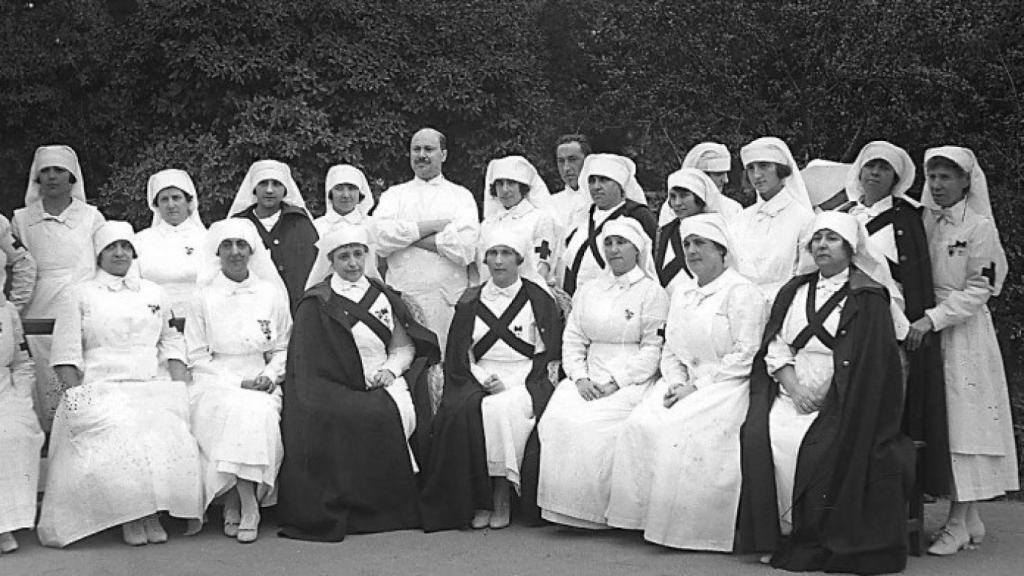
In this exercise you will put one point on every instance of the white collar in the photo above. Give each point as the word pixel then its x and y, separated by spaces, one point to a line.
pixel 598 212
pixel 727 278
pixel 518 211
pixel 118 283
pixel 343 287
pixel 246 286
pixel 777 204
pixel 629 278
pixel 435 181
pixel 491 291
pixel 876 208
pixel 834 282
pixel 353 217
pixel 186 225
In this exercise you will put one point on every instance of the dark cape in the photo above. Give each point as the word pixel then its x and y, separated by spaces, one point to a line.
pixel 855 465
pixel 924 416
pixel 629 209
pixel 346 467
pixel 292 245
pixel 455 481
pixel 667 271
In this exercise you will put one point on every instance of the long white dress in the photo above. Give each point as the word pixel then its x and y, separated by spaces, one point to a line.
pixel 237 331
pixel 814 368
pixel 963 250
pixel 677 470
pixel 766 240
pixel 524 220
pixel 613 331
pixel 435 280
pixel 170 256
pixel 507 416
pixel 121 447
pixel 20 435
pixel 62 248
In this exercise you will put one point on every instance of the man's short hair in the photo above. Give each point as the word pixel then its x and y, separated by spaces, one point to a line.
pixel 580 139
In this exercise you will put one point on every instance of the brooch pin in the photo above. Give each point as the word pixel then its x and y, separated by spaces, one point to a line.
pixel 518 330
pixel 383 315
pixel 154 308
pixel 189 250
pixel 957 247
pixel 629 314
pixel 1 327
pixel 265 328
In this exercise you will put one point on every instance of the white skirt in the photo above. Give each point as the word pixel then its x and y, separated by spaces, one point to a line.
pixel 787 427
pixel 21 439
pixel 578 439
pixel 119 451
pixel 507 419
pixel 677 470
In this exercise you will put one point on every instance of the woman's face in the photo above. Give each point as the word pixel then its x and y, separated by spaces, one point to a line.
pixel 508 192
pixel 764 178
pixel 947 185
pixel 269 194
pixel 703 258
pixel 349 261
pixel 344 197
pixel 719 178
pixel 620 254
pixel 54 182
pixel 684 202
pixel 830 251
pixel 877 177
pixel 117 257
pixel 172 203
pixel 503 262
pixel 234 254
pixel 605 192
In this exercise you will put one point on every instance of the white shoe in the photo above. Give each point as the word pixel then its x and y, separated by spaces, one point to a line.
pixel 155 533
pixel 7 543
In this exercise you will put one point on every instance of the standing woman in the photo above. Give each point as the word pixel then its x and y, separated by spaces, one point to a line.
pixel 347 199
pixel 57 227
pixel 20 435
pixel 270 199
pixel 676 472
pixel 969 267
pixel 121 450
pixel 237 336
pixel 502 339
pixel 712 159
pixel 616 194
pixel 767 235
pixel 610 351
pixel 825 463
pixel 517 201
pixel 690 192
pixel 357 391
pixel 170 250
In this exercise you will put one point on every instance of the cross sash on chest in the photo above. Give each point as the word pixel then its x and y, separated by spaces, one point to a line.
pixel 669 271
pixel 884 219
pixel 593 231
pixel 816 317
pixel 360 312
pixel 497 328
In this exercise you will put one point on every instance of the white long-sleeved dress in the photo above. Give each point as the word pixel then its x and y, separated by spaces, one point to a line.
pixel 20 435
pixel 62 248
pixel 814 368
pixel 613 332
pixel 766 241
pixel 507 416
pixel 524 220
pixel 237 331
pixel 964 250
pixel 677 470
pixel 171 256
pixel 435 280
pixel 121 448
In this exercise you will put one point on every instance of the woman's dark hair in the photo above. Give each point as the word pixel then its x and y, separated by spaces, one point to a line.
pixel 782 170
pixel 135 254
pixel 697 199
pixel 943 162
pixel 524 189
pixel 156 198
pixel 846 248
pixel 330 255
pixel 71 178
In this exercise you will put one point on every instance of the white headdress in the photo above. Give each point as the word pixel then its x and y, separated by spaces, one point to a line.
pixel 708 157
pixel 343 236
pixel 348 174
pixel 824 179
pixel 266 170
pixel 517 169
pixel 519 243
pixel 696 181
pixel 618 168
pixel 631 230
pixel 111 231
pixel 711 226
pixel 60 156
pixel 771 149
pixel 172 177
pixel 896 157
pixel 977 196
pixel 260 263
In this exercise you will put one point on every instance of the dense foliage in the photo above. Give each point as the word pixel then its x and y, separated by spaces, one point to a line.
pixel 140 85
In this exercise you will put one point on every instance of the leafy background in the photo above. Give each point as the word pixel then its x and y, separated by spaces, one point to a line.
pixel 136 86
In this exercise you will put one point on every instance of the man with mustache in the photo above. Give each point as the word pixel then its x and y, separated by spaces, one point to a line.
pixel 427 229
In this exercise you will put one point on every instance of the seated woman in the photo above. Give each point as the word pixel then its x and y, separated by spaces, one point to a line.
pixel 237 336
pixel 676 472
pixel 170 251
pixel 516 200
pixel 502 338
pixel 824 460
pixel 616 193
pixel 610 352
pixel 356 390
pixel 120 450
pixel 690 192
pixel 347 201
pixel 21 438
